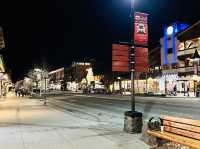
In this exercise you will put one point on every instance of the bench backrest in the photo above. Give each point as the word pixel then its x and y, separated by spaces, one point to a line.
pixel 181 126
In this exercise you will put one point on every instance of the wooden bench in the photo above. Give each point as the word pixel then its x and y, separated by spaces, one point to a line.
pixel 179 130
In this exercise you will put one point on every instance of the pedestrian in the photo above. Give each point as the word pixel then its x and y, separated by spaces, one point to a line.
pixel 23 92
pixel 16 92
pixel 175 90
pixel 19 92
pixel 188 90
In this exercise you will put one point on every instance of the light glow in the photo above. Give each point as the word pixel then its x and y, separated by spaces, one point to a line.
pixel 170 30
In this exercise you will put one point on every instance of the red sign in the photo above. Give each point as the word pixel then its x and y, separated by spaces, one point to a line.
pixel 120 58
pixel 141 59
pixel 140 29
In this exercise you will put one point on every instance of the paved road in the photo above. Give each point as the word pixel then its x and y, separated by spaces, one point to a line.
pixel 105 105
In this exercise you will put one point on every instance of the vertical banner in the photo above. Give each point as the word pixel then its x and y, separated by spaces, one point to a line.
pixel 140 29
pixel 141 59
pixel 120 58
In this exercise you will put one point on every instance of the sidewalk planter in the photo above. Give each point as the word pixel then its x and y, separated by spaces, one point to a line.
pixel 133 122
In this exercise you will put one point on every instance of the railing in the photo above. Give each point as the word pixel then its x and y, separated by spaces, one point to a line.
pixel 181 69
pixel 186 52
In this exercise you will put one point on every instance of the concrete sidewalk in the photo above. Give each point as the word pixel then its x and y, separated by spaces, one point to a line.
pixel 28 124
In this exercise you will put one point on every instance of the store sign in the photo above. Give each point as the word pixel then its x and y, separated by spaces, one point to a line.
pixel 120 58
pixel 141 59
pixel 140 29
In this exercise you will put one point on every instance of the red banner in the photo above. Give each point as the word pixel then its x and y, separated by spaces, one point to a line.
pixel 141 59
pixel 120 58
pixel 140 29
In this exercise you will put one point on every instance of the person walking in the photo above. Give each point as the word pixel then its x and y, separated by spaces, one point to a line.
pixel 188 90
pixel 16 92
pixel 19 92
pixel 175 90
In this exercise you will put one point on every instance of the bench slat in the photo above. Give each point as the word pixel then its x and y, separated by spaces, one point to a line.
pixel 176 138
pixel 181 120
pixel 185 133
pixel 181 126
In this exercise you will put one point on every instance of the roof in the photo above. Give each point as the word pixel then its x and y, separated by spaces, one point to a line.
pixel 190 33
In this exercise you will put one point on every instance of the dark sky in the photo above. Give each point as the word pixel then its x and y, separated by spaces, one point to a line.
pixel 62 31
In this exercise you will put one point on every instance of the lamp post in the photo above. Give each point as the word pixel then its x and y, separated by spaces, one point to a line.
pixel 45 79
pixel 133 119
pixel 195 59
pixel 132 62
pixel 1 86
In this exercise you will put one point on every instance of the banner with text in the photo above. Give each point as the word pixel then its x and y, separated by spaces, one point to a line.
pixel 120 58
pixel 140 36
pixel 141 59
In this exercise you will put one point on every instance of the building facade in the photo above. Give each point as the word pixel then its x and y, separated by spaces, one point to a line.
pixel 56 77
pixel 179 72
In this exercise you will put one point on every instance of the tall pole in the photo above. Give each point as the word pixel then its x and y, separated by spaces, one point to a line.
pixel 133 59
pixel 133 119
pixel 146 83
pixel 45 86
pixel 1 88
pixel 165 85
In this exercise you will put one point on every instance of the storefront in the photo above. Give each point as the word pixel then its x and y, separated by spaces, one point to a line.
pixel 141 86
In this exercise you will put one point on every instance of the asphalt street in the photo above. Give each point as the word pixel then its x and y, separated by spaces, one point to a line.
pixel 101 106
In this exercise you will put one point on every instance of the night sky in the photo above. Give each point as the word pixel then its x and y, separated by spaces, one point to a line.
pixel 62 31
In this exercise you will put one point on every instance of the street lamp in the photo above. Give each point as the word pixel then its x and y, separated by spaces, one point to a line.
pixel 133 119
pixel 45 78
